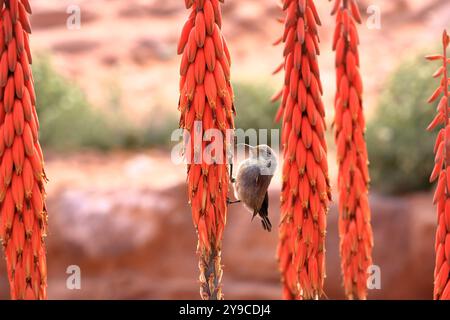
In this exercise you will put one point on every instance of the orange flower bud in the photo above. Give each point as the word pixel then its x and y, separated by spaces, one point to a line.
pixel 205 68
pixel 441 170
pixel 354 211
pixel 23 220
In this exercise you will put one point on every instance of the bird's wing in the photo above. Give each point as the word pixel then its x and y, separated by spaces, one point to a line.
pixel 262 181
pixel 262 184
pixel 264 210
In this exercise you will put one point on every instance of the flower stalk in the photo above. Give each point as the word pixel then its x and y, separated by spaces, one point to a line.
pixel 441 172
pixel 206 102
pixel 305 191
pixel 23 222
pixel 355 231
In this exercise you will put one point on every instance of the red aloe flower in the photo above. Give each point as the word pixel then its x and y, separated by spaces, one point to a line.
pixel 23 221
pixel 441 172
pixel 305 191
pixel 355 231
pixel 206 96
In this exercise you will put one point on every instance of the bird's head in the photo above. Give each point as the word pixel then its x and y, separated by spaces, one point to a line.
pixel 266 155
pixel 262 151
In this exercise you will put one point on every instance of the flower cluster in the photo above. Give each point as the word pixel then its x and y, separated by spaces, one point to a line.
pixel 23 220
pixel 355 231
pixel 206 102
pixel 305 187
pixel 441 173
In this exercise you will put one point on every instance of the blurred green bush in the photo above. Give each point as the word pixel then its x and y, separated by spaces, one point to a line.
pixel 400 148
pixel 254 108
pixel 69 122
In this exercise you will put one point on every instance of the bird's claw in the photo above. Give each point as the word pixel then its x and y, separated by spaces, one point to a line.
pixel 232 180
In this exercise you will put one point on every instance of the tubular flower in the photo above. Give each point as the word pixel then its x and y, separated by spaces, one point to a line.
pixel 441 174
pixel 355 231
pixel 206 102
pixel 305 191
pixel 23 221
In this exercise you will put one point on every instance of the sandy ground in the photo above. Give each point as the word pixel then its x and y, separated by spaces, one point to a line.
pixel 126 224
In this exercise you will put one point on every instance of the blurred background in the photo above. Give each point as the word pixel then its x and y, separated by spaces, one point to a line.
pixel 107 102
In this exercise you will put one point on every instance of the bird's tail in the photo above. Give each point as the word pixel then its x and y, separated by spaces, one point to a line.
pixel 266 223
pixel 264 213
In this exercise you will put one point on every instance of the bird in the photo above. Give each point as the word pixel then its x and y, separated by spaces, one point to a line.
pixel 253 178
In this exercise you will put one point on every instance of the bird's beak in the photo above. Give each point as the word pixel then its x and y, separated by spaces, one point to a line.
pixel 253 150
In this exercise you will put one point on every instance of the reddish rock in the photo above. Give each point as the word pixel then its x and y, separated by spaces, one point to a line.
pixel 140 244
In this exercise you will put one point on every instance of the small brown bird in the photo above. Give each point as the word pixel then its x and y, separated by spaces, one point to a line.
pixel 253 179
